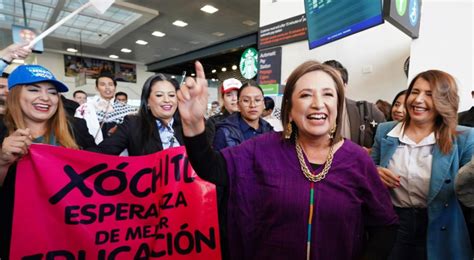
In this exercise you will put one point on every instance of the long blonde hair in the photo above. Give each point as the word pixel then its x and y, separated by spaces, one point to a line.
pixel 57 124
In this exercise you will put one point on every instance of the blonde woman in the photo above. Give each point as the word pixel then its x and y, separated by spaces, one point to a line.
pixel 35 114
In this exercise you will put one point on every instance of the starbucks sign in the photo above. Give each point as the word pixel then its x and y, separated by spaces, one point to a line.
pixel 248 63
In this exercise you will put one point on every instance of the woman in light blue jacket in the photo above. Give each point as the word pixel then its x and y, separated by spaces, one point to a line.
pixel 418 160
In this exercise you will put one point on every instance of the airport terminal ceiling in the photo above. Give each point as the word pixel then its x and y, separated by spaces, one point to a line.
pixel 126 22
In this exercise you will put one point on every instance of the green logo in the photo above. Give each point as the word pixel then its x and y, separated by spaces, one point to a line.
pixel 248 63
pixel 401 6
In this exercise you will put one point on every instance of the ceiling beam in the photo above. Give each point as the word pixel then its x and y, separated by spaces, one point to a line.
pixel 54 17
pixel 220 48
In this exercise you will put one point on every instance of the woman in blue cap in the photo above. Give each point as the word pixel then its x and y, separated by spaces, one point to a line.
pixel 34 114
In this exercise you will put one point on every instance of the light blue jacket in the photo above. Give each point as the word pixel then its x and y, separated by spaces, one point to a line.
pixel 448 237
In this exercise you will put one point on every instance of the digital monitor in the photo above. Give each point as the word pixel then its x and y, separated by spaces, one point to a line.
pixel 330 20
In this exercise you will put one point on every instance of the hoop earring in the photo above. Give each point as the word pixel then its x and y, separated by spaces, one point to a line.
pixel 288 131
pixel 332 131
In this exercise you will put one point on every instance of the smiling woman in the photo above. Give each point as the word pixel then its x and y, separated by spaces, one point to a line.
pixel 34 114
pixel 418 160
pixel 154 128
pixel 303 194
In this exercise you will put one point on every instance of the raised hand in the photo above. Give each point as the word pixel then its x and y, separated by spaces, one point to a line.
pixel 192 102
pixel 15 51
pixel 390 179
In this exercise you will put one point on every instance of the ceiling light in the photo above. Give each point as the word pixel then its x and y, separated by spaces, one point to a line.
pixel 141 42
pixel 158 34
pixel 249 22
pixel 192 74
pixel 214 71
pixel 218 34
pixel 113 56
pixel 71 50
pixel 125 50
pixel 234 67
pixel 179 23
pixel 209 9
pixel 173 76
pixel 224 69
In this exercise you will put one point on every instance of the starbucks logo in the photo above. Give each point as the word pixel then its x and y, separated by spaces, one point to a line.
pixel 248 63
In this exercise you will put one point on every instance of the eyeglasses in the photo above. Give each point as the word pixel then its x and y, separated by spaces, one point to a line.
pixel 248 101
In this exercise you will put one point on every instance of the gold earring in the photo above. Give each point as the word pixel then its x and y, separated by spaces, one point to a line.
pixel 288 131
pixel 332 131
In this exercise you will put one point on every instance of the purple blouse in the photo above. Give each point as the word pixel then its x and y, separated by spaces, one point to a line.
pixel 268 204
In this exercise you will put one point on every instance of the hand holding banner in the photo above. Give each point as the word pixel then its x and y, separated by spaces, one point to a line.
pixel 82 205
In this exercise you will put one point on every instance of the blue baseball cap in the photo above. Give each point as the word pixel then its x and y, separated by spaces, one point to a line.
pixel 30 74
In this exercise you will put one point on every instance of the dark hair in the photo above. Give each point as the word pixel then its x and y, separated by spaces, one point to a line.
pixel 105 75
pixel 77 92
pixel 445 101
pixel 403 92
pixel 247 84
pixel 215 103
pixel 120 93
pixel 4 75
pixel 148 121
pixel 269 103
pixel 384 107
pixel 338 66
pixel 287 104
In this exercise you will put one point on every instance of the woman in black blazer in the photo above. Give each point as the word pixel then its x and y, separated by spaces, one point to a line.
pixel 154 128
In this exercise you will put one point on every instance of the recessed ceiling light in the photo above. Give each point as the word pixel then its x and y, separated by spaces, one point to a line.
pixel 125 50
pixel 173 76
pixel 234 67
pixel 179 23
pixel 214 71
pixel 71 50
pixel 224 69
pixel 218 34
pixel 158 34
pixel 209 9
pixel 249 22
pixel 192 74
pixel 113 56
pixel 141 42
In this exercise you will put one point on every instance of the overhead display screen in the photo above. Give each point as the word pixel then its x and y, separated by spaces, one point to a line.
pixel 330 20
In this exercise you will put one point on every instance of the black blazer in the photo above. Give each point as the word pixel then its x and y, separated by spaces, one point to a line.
pixel 129 135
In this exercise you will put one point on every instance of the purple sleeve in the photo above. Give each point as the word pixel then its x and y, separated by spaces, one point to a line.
pixel 379 208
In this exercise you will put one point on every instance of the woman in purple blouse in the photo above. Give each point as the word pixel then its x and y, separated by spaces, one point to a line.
pixel 305 193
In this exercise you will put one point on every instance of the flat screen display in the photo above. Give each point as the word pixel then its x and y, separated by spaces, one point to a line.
pixel 330 20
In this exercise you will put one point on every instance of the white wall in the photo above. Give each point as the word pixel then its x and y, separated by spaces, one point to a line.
pixel 447 43
pixel 382 50
pixel 55 63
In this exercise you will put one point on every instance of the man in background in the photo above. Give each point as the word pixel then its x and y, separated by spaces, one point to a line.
pixel 101 113
pixel 121 97
pixel 80 97
pixel 267 114
pixel 359 118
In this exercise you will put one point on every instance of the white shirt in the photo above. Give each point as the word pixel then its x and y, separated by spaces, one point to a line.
pixel 412 161
pixel 275 122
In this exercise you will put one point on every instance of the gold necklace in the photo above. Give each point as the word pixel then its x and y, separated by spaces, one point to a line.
pixel 306 172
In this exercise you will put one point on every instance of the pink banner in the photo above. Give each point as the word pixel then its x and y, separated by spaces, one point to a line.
pixel 80 205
